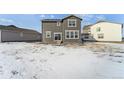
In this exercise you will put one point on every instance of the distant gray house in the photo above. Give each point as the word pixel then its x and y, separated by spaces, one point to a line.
pixel 12 33
pixel 64 30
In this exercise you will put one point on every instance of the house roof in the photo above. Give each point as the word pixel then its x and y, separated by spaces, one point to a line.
pixel 71 16
pixel 55 20
pixel 87 26
pixel 14 28
pixel 107 22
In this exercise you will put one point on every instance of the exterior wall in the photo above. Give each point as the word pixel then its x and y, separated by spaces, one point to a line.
pixel 0 35
pixel 89 35
pixel 12 36
pixel 50 26
pixel 111 31
pixel 86 30
pixel 65 27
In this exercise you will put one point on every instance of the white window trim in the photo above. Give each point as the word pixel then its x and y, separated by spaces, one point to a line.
pixel 57 33
pixel 58 23
pixel 99 29
pixel 100 34
pixel 72 20
pixel 46 34
pixel 70 34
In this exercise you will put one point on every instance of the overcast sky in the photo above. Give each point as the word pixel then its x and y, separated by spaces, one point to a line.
pixel 33 21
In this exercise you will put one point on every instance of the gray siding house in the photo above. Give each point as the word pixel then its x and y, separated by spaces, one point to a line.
pixel 12 33
pixel 66 30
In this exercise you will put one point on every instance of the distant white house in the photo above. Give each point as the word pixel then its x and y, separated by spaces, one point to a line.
pixel 103 31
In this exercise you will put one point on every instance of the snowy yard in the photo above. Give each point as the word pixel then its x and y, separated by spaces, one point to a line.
pixel 35 60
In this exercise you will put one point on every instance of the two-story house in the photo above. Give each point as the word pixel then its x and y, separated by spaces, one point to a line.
pixel 67 29
pixel 103 31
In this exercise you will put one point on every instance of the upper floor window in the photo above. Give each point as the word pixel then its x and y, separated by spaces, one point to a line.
pixel 98 29
pixel 48 34
pixel 71 22
pixel 58 23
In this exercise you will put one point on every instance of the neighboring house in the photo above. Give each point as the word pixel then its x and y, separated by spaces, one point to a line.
pixel 64 30
pixel 86 35
pixel 12 33
pixel 103 31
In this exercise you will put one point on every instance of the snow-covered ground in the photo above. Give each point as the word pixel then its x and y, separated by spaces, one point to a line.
pixel 36 60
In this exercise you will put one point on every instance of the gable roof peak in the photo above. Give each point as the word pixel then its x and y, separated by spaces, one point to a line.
pixel 72 15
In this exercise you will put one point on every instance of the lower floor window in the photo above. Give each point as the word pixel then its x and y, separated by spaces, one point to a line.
pixel 100 36
pixel 67 34
pixel 71 34
pixel 76 34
